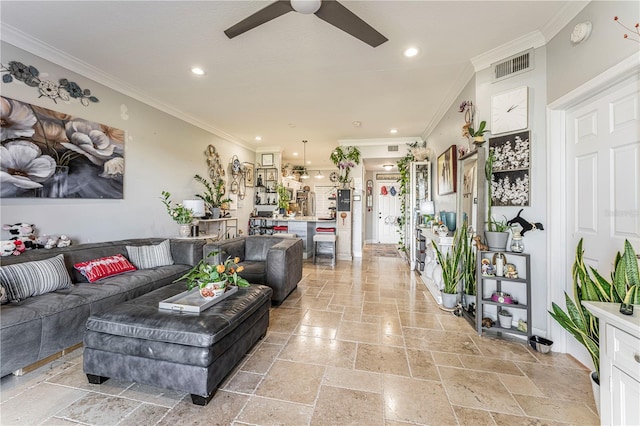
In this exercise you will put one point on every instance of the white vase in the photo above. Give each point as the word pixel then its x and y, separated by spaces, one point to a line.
pixel 185 230
pixel 211 290
pixel 505 320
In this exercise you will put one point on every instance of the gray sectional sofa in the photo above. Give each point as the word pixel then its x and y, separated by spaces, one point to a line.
pixel 40 326
pixel 268 259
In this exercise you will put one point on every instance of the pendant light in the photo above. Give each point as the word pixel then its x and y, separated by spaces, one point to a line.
pixel 304 175
pixel 319 175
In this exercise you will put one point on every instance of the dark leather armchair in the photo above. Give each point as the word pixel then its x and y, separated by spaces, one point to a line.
pixel 267 259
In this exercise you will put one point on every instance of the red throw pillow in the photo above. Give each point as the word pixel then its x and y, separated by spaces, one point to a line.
pixel 104 267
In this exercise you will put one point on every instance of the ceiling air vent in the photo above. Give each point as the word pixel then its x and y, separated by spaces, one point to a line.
pixel 516 64
pixel 392 148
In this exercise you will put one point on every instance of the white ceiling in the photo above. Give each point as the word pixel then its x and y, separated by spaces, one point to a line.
pixel 293 78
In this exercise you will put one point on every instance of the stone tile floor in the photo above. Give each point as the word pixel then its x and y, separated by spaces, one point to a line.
pixel 361 343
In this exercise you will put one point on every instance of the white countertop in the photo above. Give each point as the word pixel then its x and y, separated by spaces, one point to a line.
pixel 610 312
pixel 299 219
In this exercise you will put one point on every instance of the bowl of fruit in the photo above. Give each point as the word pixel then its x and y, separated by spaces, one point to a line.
pixel 212 290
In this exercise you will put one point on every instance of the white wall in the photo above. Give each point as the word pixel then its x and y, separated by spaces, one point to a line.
pixel 161 153
pixel 569 65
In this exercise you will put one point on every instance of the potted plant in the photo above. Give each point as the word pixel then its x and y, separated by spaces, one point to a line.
pixel 478 134
pixel 345 158
pixel 590 285
pixel 179 213
pixel 497 234
pixel 213 195
pixel 468 266
pixel 283 198
pixel 451 271
pixel 210 278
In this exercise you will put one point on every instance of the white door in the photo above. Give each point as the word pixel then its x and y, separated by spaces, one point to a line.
pixel 388 211
pixel 603 181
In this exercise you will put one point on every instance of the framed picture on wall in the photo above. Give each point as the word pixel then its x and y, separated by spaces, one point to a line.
pixel 447 171
pixel 249 177
pixel 510 183
pixel 267 160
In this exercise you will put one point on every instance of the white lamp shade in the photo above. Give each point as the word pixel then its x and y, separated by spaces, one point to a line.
pixel 427 207
pixel 196 206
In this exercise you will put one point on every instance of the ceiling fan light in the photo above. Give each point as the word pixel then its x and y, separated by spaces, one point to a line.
pixel 306 6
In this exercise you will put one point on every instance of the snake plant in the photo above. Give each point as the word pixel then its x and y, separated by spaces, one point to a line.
pixel 592 286
pixel 450 264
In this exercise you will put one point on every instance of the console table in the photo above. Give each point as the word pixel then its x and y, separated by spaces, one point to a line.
pixel 216 229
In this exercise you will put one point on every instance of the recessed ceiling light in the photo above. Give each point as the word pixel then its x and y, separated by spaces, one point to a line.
pixel 258 138
pixel 410 52
pixel 308 161
pixel 387 167
pixel 393 131
pixel 357 124
pixel 295 154
pixel 197 71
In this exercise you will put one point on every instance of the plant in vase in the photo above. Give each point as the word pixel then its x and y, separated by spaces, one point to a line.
pixel 478 134
pixel 451 271
pixel 213 195
pixel 590 285
pixel 345 158
pixel 283 198
pixel 212 278
pixel 179 213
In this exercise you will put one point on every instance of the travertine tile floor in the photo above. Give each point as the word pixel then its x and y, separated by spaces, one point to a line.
pixel 362 343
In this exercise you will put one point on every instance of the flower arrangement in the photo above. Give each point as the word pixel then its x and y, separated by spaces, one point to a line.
pixel 179 213
pixel 345 158
pixel 204 273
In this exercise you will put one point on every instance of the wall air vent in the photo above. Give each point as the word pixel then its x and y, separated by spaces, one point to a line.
pixel 392 148
pixel 514 65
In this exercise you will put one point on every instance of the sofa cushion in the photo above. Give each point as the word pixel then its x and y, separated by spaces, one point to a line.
pixel 104 267
pixel 254 272
pixel 3 295
pixel 145 257
pixel 256 248
pixel 28 279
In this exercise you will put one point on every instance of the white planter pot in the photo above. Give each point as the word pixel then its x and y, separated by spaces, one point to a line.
pixel 596 390
pixel 505 320
pixel 449 300
pixel 497 241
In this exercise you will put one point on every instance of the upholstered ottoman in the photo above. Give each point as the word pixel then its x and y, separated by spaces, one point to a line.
pixel 137 341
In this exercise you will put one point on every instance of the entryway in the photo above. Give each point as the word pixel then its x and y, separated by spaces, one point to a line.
pixel 388 205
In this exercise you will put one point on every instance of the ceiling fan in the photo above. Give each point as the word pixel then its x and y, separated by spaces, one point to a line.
pixel 328 10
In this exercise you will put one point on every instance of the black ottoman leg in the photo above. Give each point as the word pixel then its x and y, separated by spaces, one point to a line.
pixel 201 400
pixel 96 380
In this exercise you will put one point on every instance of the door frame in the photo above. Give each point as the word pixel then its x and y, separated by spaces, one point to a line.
pixel 557 181
pixel 377 184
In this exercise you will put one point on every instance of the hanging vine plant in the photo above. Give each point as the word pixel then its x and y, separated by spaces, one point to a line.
pixel 404 165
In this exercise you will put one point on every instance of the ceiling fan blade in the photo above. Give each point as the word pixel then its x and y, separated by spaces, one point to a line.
pixel 266 14
pixel 339 16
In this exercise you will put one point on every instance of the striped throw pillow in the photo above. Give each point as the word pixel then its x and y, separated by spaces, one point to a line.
pixel 145 257
pixel 104 267
pixel 23 280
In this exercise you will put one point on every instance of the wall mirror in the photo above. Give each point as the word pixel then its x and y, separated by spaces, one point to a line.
pixel 471 202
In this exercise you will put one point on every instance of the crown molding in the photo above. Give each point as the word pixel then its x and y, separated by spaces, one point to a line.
pixel 534 39
pixel 562 18
pixel 466 74
pixel 45 51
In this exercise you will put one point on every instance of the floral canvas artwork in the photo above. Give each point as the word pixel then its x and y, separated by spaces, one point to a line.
pixel 511 169
pixel 49 154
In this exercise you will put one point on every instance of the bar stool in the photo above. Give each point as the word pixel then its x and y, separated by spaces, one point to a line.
pixel 280 228
pixel 325 235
